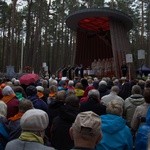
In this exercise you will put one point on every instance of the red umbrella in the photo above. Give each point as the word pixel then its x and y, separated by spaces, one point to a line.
pixel 29 78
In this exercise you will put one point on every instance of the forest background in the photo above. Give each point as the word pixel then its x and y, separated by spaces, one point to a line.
pixel 36 30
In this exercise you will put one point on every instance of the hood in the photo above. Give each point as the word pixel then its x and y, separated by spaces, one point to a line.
pixel 136 99
pixel 79 92
pixel 112 123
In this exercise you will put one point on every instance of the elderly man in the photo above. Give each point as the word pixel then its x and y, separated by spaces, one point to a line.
pixel 86 131
pixel 93 103
pixel 112 96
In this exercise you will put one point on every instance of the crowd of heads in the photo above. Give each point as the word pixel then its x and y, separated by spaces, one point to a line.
pixel 37 101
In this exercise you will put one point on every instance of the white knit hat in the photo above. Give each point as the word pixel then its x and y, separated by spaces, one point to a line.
pixel 34 120
pixel 40 88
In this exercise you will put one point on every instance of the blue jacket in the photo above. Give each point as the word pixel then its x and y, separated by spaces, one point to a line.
pixel 3 137
pixel 38 103
pixel 116 134
pixel 143 134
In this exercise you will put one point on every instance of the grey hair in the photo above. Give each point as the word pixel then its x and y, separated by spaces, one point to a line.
pixel 114 107
pixel 136 89
pixel 115 89
pixel 94 93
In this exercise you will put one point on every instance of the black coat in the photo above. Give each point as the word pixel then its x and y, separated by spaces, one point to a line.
pixel 60 138
pixel 93 105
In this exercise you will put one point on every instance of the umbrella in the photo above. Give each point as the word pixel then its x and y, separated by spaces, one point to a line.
pixel 28 78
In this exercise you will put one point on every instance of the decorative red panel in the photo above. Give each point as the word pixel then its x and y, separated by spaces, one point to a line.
pixel 95 24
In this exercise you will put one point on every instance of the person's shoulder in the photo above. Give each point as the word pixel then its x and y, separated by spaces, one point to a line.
pixel 10 145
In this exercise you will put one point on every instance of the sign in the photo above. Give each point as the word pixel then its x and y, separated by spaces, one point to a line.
pixel 129 58
pixel 141 54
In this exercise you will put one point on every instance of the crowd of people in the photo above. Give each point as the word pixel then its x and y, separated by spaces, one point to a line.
pixel 84 113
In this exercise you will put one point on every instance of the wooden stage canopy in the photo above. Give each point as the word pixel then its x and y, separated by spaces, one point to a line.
pixel 101 33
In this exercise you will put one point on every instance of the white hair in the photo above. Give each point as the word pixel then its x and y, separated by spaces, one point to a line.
pixel 70 83
pixel 94 93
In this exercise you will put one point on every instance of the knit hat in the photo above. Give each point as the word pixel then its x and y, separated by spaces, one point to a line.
pixel 34 120
pixel 87 123
pixel 7 90
pixel 40 88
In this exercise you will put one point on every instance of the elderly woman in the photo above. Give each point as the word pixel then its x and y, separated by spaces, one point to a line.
pixel 10 99
pixel 116 134
pixel 33 124
pixel 14 122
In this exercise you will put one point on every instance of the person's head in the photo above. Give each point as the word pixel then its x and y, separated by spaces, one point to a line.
pixel 116 82
pixel 78 85
pixel 147 83
pixel 70 83
pixel 16 82
pixel 53 76
pixel 40 88
pixel 40 91
pixel 54 82
pixel 62 83
pixel 3 109
pixel 31 90
pixel 35 121
pixel 53 89
pixel 94 94
pixel 90 82
pixel 146 95
pixel 136 89
pixel 115 89
pixel 25 105
pixel 45 83
pixel 72 100
pixel 61 95
pixel 102 82
pixel 7 90
pixel 115 108
pixel 86 130
pixel 84 83
pixel 141 83
pixel 70 92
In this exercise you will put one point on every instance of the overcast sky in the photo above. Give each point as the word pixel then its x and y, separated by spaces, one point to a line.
pixel 22 3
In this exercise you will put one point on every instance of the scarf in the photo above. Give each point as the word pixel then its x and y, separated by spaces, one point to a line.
pixel 31 137
pixel 8 98
pixel 16 117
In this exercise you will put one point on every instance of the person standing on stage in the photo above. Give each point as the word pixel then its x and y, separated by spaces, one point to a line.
pixel 124 69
